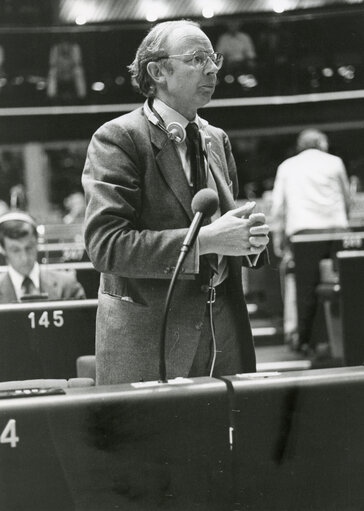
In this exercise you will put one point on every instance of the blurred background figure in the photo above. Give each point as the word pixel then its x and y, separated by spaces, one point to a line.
pixel 66 77
pixel 25 278
pixel 310 195
pixel 4 208
pixel 3 79
pixel 75 205
pixel 18 197
pixel 239 55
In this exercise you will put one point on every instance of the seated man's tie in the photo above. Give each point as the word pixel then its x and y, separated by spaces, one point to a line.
pixel 28 287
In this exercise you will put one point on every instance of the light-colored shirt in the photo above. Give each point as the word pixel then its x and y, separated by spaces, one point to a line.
pixel 236 47
pixel 17 279
pixel 169 115
pixel 311 191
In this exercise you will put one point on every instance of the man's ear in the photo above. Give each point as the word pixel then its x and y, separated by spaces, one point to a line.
pixel 155 72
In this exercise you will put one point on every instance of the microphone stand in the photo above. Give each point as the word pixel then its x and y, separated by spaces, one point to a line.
pixel 162 343
pixel 205 202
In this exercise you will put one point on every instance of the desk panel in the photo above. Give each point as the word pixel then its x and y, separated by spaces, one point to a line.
pixel 131 448
pixel 299 442
pixel 44 339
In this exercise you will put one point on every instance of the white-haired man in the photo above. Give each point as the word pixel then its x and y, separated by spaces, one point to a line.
pixel 310 195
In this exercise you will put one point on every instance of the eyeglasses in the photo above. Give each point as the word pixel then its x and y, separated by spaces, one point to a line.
pixel 199 58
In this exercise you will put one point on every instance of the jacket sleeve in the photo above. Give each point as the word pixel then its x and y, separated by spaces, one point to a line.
pixel 233 176
pixel 113 181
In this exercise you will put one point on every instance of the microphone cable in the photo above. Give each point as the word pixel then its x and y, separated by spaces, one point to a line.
pixel 211 302
pixel 204 203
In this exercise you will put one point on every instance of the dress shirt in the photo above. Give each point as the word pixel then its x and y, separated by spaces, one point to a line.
pixel 169 115
pixel 311 191
pixel 17 279
pixel 236 47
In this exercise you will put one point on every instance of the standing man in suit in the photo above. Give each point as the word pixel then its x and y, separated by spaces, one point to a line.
pixel 139 182
pixel 18 242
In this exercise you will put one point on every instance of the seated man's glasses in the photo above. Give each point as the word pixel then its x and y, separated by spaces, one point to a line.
pixel 198 58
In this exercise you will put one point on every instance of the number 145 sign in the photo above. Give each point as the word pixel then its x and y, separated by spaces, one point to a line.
pixel 46 319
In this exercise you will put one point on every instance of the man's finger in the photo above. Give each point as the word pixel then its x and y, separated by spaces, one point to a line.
pixel 256 219
pixel 260 229
pixel 243 211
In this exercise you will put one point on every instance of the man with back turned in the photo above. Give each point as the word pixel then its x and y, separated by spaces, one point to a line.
pixel 310 196
pixel 139 182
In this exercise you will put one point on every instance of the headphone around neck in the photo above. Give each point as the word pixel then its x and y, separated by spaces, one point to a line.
pixel 174 130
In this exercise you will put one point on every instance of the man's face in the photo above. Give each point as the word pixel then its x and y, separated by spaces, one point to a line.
pixel 187 88
pixel 21 254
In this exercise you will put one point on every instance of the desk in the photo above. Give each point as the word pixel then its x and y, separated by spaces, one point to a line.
pixel 309 250
pixel 62 252
pixel 44 339
pixel 351 276
pixel 259 442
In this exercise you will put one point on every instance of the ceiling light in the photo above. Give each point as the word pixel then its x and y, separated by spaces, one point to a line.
pixel 208 12
pixel 81 20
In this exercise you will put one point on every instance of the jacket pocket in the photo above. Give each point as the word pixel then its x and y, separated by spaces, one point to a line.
pixel 127 300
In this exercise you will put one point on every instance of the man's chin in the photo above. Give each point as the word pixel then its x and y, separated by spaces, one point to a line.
pixel 25 271
pixel 206 96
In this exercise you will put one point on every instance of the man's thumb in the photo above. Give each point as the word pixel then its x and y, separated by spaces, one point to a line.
pixel 243 211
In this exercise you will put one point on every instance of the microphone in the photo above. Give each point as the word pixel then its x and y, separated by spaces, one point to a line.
pixel 204 204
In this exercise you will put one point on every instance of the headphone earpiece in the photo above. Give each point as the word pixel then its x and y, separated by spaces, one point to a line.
pixel 176 132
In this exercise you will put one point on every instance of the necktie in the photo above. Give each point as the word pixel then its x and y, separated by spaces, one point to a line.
pixel 198 176
pixel 27 286
pixel 208 262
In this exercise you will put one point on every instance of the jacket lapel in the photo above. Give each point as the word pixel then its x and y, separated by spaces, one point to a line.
pixel 7 291
pixel 48 284
pixel 170 166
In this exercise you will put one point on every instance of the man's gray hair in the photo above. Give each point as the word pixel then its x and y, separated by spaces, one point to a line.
pixel 312 139
pixel 150 49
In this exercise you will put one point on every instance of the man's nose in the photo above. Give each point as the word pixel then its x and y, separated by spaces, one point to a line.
pixel 210 66
pixel 25 257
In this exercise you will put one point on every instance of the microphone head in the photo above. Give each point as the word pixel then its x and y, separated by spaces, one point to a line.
pixel 206 201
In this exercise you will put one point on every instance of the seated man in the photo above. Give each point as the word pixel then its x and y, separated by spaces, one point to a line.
pixel 238 50
pixel 25 277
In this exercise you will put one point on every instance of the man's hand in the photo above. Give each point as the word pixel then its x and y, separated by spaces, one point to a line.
pixel 238 232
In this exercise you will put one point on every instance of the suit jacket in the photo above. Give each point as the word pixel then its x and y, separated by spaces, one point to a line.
pixel 58 285
pixel 137 215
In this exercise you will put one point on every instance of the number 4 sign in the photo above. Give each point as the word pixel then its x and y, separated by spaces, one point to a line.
pixel 8 436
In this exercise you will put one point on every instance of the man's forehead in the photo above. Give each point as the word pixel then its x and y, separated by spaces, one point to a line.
pixel 28 239
pixel 187 38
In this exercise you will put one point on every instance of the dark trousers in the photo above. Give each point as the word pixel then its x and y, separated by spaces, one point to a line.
pixel 307 273
pixel 228 341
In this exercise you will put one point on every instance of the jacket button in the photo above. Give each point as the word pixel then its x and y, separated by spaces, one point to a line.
pixel 199 325
pixel 204 288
